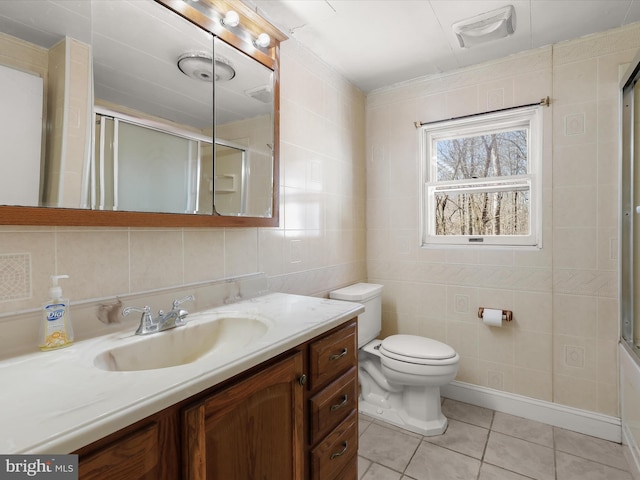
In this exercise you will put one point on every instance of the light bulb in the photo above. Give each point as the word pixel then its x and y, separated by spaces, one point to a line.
pixel 231 19
pixel 263 40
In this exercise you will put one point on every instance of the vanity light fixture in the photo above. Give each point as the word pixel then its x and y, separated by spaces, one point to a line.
pixel 230 19
pixel 263 40
pixel 485 27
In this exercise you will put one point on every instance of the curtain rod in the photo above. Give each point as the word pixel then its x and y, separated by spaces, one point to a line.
pixel 544 102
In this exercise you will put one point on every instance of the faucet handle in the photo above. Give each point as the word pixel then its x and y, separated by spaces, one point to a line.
pixel 146 310
pixel 177 303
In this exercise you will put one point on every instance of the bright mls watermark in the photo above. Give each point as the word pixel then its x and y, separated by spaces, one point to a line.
pixel 50 467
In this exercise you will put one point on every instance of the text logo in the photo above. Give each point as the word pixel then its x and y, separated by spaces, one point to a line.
pixel 50 467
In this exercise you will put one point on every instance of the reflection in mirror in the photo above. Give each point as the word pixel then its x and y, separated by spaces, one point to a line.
pixel 154 112
pixel 77 78
pixel 119 54
pixel 243 123
pixel 141 168
pixel 45 56
pixel 230 178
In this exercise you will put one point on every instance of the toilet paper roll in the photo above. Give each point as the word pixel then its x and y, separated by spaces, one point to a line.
pixel 492 317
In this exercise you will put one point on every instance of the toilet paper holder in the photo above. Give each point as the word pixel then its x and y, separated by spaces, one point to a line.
pixel 507 315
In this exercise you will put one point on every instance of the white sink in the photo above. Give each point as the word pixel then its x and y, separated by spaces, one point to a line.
pixel 202 335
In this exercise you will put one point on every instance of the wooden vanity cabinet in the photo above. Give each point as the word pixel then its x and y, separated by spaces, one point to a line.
pixel 250 430
pixel 292 418
pixel 146 450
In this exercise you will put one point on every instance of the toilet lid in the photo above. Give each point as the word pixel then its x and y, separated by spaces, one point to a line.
pixel 413 346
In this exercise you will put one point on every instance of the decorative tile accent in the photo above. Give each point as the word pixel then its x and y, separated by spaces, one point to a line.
pixel 585 282
pixel 574 124
pixel 574 356
pixel 15 276
pixel 461 303
pixel 377 155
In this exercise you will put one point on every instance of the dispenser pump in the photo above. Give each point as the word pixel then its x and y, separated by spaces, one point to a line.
pixel 55 291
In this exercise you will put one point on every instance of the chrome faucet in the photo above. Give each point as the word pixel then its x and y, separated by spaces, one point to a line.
pixel 164 321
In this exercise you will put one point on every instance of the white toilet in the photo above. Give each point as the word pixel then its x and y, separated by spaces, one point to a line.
pixel 400 377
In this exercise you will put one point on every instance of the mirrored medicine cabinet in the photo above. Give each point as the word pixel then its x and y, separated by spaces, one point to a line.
pixel 137 113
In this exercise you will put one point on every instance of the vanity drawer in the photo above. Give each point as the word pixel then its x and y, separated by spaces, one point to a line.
pixel 332 404
pixel 336 452
pixel 332 355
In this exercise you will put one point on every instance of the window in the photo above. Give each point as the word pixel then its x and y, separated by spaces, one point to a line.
pixel 481 179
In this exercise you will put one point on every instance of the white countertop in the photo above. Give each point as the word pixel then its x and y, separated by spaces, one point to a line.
pixel 58 401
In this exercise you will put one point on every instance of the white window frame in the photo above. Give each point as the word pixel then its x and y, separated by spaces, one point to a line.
pixel 529 118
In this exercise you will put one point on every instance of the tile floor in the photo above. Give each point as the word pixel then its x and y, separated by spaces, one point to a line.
pixel 481 444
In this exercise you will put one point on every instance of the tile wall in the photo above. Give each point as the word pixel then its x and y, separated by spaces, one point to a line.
pixel 561 346
pixel 320 243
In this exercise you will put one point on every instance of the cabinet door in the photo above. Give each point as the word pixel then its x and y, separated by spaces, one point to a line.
pixel 252 430
pixel 135 456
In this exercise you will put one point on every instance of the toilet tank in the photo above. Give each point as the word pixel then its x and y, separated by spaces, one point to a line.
pixel 370 295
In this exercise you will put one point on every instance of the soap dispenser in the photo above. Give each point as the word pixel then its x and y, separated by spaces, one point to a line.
pixel 56 330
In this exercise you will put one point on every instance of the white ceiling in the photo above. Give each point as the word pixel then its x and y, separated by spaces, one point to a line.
pixel 376 43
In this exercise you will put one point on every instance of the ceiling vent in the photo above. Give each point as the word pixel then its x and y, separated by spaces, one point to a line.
pixel 263 94
pixel 486 27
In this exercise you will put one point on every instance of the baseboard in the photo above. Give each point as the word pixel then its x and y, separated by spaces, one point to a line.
pixel 574 419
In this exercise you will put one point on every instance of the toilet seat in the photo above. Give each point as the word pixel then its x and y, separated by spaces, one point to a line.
pixel 417 350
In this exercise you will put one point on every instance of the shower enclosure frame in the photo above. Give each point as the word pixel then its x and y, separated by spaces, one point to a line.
pixel 194 168
pixel 629 208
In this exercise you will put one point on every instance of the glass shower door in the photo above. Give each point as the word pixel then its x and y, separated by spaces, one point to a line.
pixel 630 209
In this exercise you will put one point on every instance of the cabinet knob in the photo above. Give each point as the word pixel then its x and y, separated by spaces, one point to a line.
pixel 302 379
pixel 336 356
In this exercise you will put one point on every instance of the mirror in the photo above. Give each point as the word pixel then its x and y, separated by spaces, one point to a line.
pixel 152 143
pixel 244 135
pixel 154 123
pixel 39 42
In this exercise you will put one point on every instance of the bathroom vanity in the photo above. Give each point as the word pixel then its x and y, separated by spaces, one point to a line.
pixel 291 417
pixel 283 405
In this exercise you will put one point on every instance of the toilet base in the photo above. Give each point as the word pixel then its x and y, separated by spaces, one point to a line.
pixel 400 419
